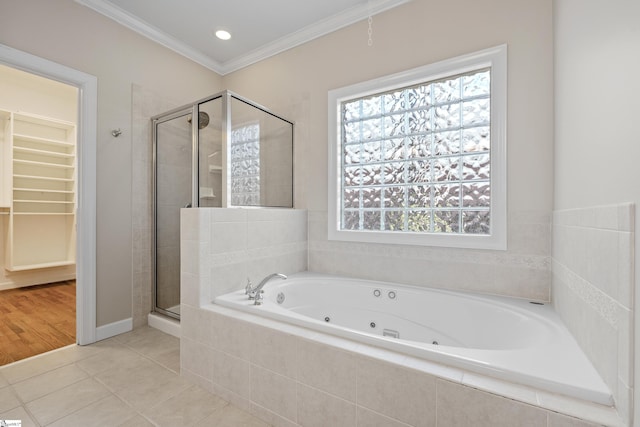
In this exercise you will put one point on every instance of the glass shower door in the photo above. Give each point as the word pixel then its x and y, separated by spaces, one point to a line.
pixel 173 155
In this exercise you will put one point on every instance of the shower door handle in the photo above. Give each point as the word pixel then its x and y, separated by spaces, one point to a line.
pixel 188 205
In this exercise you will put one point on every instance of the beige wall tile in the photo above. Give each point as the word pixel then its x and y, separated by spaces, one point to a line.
pixel 197 358
pixel 463 406
pixel 396 392
pixel 274 392
pixel 232 373
pixel 367 418
pixel 231 416
pixel 231 336
pixel 190 290
pixel 274 350
pixel 137 421
pixel 227 278
pixel 558 420
pixel 319 409
pixel 228 237
pixel 327 368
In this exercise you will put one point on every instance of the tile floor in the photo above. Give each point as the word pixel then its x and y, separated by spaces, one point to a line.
pixel 129 380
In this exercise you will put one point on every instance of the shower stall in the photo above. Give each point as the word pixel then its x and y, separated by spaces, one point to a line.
pixel 234 153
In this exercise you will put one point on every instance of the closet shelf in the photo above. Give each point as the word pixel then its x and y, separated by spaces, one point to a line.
pixel 49 141
pixel 45 178
pixel 43 152
pixel 44 190
pixel 43 213
pixel 43 164
pixel 41 191
pixel 56 202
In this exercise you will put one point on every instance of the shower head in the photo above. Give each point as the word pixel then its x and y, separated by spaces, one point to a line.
pixel 203 120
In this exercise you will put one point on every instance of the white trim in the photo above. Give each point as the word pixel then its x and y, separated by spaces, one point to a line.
pixel 496 58
pixel 149 31
pixel 321 28
pixel 113 329
pixel 32 282
pixel 164 324
pixel 86 215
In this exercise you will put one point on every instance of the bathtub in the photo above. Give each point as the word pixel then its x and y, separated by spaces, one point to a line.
pixel 510 339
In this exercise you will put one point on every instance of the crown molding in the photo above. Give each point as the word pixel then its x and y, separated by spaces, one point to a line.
pixel 149 31
pixel 311 32
pixel 319 29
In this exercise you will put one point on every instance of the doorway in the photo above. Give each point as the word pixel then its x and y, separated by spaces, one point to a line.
pixel 37 214
pixel 86 177
pixel 173 189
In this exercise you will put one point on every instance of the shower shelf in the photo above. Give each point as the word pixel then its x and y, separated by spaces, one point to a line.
pixel 213 159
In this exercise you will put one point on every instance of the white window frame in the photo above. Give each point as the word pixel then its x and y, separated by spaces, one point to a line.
pixel 494 58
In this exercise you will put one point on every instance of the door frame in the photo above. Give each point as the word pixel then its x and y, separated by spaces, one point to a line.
pixel 155 121
pixel 86 158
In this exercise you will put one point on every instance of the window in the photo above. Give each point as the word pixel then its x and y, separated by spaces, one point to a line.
pixel 420 158
pixel 245 165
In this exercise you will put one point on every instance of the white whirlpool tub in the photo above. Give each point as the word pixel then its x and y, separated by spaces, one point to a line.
pixel 511 339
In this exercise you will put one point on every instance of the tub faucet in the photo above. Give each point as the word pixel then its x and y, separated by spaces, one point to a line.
pixel 256 293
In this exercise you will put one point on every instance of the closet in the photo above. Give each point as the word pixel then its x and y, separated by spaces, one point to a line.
pixel 38 194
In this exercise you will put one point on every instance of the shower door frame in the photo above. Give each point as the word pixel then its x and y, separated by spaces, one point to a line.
pixel 194 109
pixel 183 111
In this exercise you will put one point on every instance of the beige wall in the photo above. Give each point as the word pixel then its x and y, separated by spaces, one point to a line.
pixel 28 93
pixel 73 35
pixel 596 85
pixel 295 85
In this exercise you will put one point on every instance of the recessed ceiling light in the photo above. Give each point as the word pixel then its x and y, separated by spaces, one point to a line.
pixel 223 34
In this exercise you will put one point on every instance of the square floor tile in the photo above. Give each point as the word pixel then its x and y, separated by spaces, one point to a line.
pixel 63 402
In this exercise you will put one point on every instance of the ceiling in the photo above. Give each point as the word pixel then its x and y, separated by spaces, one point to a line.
pixel 259 28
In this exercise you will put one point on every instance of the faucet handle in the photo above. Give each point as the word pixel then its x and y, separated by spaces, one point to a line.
pixel 257 300
pixel 248 290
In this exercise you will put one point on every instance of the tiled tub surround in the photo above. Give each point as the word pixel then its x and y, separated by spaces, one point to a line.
pixel 522 271
pixel 291 376
pixel 223 247
pixel 493 336
pixel 593 289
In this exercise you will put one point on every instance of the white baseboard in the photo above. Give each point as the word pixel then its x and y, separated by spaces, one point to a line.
pixel 113 329
pixel 30 281
pixel 164 324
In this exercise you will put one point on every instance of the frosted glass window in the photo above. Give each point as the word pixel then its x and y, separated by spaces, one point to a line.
pixel 245 165
pixel 420 158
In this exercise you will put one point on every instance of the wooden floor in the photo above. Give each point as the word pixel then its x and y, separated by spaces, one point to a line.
pixel 36 319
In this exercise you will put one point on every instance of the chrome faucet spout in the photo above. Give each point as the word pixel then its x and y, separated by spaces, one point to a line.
pixel 256 293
